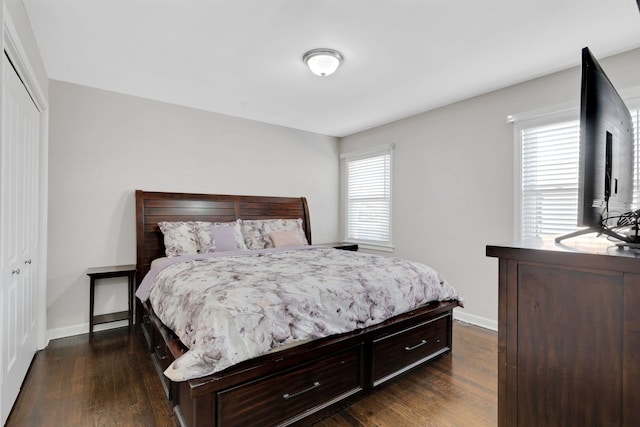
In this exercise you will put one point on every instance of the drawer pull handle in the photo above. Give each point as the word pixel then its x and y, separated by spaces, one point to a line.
pixel 288 396
pixel 158 350
pixel 420 344
pixel 27 261
pixel 16 271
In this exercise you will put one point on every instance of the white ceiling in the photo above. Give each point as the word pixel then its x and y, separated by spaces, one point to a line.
pixel 244 57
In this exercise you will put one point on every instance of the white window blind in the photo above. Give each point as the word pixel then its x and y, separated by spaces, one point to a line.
pixel 549 177
pixel 368 197
pixel 549 165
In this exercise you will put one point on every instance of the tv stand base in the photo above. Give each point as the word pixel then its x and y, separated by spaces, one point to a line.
pixel 624 240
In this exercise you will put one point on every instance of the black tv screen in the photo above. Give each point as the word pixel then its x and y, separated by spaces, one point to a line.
pixel 606 148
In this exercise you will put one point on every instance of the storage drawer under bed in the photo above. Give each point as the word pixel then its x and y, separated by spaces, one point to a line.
pixel 165 349
pixel 398 352
pixel 162 358
pixel 284 398
pixel 147 331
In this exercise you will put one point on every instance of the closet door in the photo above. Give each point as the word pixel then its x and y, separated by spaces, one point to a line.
pixel 19 195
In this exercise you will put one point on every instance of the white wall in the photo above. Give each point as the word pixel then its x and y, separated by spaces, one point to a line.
pixel 105 145
pixel 453 178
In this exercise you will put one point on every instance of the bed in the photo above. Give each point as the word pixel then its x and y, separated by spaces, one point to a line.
pixel 299 384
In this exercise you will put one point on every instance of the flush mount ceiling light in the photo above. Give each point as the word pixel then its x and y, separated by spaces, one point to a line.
pixel 322 62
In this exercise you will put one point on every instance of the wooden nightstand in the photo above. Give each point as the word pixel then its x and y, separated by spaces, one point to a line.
pixel 97 273
pixel 342 245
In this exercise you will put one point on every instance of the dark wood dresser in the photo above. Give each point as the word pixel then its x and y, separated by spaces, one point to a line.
pixel 568 334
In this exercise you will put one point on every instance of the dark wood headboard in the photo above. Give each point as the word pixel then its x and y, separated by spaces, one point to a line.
pixel 153 207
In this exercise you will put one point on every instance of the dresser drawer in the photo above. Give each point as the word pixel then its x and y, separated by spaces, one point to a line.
pixel 396 353
pixel 281 399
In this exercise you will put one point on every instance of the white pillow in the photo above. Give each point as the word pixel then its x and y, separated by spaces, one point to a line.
pixel 220 236
pixel 179 238
pixel 256 231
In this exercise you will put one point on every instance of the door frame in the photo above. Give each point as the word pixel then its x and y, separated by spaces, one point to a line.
pixel 16 52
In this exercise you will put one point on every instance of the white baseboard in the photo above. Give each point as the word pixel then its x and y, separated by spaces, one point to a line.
pixel 83 328
pixel 483 322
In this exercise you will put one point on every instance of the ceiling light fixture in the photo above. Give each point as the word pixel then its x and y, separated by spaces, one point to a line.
pixel 322 62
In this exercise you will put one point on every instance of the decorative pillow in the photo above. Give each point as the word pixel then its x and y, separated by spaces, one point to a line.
pixel 228 237
pixel 220 236
pixel 202 230
pixel 179 238
pixel 256 232
pixel 285 238
pixel 252 231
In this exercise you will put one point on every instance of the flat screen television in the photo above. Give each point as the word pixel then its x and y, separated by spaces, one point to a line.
pixel 605 185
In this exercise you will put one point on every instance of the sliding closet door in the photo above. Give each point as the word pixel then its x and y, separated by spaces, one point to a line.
pixel 19 221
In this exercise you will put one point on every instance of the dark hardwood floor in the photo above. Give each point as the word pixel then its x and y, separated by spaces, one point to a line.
pixel 459 389
pixel 110 381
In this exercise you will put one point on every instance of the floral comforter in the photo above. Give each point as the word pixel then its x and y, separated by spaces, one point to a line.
pixel 227 309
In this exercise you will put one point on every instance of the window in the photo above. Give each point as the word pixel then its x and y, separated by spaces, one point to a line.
pixel 367 197
pixel 548 160
pixel 549 179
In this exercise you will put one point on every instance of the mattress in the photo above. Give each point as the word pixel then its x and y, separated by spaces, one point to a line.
pixel 228 307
